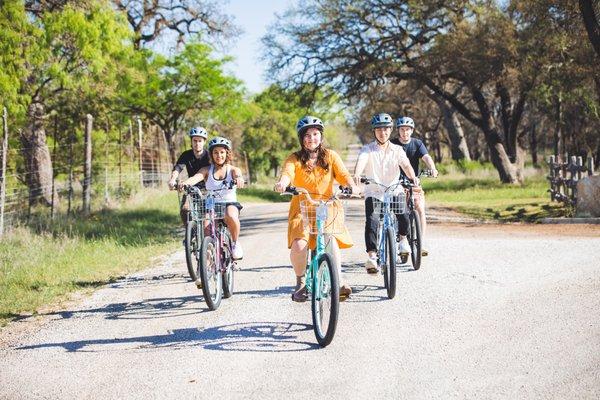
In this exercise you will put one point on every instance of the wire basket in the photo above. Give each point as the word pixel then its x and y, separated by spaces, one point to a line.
pixel 333 218
pixel 397 202
pixel 200 207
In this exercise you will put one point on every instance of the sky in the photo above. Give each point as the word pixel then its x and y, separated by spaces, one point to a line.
pixel 253 17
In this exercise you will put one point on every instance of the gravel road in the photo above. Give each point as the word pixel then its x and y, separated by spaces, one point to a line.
pixel 495 312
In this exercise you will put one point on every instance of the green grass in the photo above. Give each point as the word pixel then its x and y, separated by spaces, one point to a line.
pixel 485 197
pixel 40 265
pixel 260 194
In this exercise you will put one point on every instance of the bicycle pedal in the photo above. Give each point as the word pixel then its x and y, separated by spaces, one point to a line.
pixel 198 283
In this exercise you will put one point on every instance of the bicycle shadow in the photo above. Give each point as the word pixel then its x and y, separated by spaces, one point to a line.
pixel 247 337
pixel 279 291
pixel 366 294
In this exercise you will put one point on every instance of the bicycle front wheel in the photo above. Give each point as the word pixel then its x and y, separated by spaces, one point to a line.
pixel 415 239
pixel 210 273
pixel 389 269
pixel 192 248
pixel 325 299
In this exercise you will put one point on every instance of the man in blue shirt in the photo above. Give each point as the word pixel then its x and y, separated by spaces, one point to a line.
pixel 415 150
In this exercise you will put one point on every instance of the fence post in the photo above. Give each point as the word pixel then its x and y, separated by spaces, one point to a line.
pixel 106 164
pixel 53 207
pixel 551 162
pixel 120 161
pixel 87 178
pixel 3 172
pixel 139 122
pixel 160 174
pixel 590 166
pixel 131 150
pixel 70 195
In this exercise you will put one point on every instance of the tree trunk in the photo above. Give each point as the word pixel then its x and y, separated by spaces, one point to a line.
pixel 533 143
pixel 458 143
pixel 38 164
pixel 508 172
pixel 590 20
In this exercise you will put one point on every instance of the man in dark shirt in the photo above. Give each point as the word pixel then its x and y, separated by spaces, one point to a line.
pixel 192 160
pixel 415 150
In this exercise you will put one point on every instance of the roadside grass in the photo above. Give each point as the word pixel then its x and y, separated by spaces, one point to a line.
pixel 479 193
pixel 260 193
pixel 41 264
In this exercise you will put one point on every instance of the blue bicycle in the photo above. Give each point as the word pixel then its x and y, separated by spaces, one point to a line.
pixel 322 218
pixel 394 202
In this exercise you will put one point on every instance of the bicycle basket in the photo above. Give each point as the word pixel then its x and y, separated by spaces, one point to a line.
pixel 397 202
pixel 333 216
pixel 200 207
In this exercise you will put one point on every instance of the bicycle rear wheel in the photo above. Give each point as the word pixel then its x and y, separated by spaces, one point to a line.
pixel 228 262
pixel 325 302
pixel 192 249
pixel 415 239
pixel 389 269
pixel 210 273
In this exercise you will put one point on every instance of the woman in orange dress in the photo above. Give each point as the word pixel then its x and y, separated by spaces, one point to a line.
pixel 314 168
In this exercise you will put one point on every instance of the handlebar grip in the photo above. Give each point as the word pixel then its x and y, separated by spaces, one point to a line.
pixel 291 190
pixel 346 190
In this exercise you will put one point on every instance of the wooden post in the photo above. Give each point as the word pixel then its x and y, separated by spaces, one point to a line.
pixel 590 166
pixel 87 169
pixel 132 153
pixel 551 161
pixel 106 164
pixel 152 164
pixel 120 161
pixel 139 122
pixel 53 209
pixel 70 195
pixel 160 175
pixel 3 170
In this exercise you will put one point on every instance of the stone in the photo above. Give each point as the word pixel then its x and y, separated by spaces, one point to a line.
pixel 588 197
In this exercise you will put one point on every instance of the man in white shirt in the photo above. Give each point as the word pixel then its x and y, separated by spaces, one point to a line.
pixel 379 160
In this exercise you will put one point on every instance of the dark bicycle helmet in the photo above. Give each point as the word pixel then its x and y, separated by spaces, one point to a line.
pixel 405 121
pixel 198 131
pixel 382 120
pixel 219 141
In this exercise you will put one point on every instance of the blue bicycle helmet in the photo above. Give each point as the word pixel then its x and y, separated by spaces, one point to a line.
pixel 405 121
pixel 198 131
pixel 382 120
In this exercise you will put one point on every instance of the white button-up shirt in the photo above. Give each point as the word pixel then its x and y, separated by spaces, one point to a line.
pixel 382 165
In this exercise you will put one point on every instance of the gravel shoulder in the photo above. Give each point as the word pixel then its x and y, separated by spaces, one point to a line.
pixel 495 312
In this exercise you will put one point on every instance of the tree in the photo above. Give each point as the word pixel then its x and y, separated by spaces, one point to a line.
pixel 476 56
pixel 184 19
pixel 168 91
pixel 59 46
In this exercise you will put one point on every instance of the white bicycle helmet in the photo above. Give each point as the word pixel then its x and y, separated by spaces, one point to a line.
pixel 309 121
pixel 405 121
pixel 198 131
pixel 219 141
pixel 382 120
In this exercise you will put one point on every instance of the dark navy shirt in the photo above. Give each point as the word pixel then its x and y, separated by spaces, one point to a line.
pixel 192 164
pixel 415 150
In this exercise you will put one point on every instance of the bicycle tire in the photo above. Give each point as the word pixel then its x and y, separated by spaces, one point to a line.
pixel 210 273
pixel 192 249
pixel 326 271
pixel 415 240
pixel 228 262
pixel 389 274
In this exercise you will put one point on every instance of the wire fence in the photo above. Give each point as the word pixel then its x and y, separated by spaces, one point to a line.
pixel 73 173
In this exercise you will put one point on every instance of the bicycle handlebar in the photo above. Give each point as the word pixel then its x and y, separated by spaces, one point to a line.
pixel 297 190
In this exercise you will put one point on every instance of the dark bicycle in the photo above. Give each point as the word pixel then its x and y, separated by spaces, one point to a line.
pixel 415 233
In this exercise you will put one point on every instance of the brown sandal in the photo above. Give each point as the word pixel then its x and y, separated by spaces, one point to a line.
pixel 300 295
pixel 345 292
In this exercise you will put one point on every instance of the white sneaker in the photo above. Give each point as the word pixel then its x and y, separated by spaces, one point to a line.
pixel 237 251
pixel 403 246
pixel 371 264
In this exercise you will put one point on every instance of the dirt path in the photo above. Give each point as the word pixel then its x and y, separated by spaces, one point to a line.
pixel 496 311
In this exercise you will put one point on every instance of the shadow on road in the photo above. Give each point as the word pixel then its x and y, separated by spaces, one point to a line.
pixel 250 336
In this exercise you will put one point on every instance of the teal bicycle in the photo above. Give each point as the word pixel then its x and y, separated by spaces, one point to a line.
pixel 322 218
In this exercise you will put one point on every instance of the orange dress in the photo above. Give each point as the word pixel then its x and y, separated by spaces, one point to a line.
pixel 316 181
